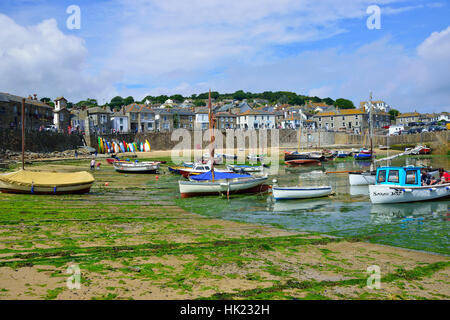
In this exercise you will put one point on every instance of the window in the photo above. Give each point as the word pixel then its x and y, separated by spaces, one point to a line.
pixel 393 176
pixel 381 176
pixel 411 177
pixel 356 123
pixel 149 125
pixel 343 118
pixel 121 120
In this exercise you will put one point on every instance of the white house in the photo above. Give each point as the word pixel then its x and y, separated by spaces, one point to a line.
pixel 201 120
pixel 397 129
pixel 119 122
pixel 377 106
pixel 256 119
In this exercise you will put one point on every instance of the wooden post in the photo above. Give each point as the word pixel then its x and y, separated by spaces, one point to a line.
pixel 23 133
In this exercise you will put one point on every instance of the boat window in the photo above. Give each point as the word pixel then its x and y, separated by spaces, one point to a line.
pixel 411 177
pixel 206 168
pixel 381 176
pixel 393 176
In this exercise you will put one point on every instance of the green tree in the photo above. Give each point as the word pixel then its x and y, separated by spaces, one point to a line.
pixel 393 114
pixel 177 98
pixel 199 103
pixel 116 102
pixel 239 95
pixel 316 99
pixel 344 104
pixel 328 101
pixel 128 100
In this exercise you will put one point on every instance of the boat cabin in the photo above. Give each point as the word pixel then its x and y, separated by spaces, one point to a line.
pixel 399 176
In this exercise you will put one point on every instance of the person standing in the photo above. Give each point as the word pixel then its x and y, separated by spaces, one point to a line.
pixel 93 164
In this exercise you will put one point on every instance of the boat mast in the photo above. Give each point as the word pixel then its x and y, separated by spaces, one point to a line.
pixel 371 130
pixel 23 133
pixel 211 134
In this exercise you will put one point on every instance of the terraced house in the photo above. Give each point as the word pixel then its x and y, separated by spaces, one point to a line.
pixel 225 120
pixel 183 118
pixel 140 118
pixel 405 118
pixel 37 113
pixel 256 119
pixel 351 120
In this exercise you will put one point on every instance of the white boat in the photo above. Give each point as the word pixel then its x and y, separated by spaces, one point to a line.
pixel 46 182
pixel 245 168
pixel 222 186
pixel 361 178
pixel 136 167
pixel 403 184
pixel 200 168
pixel 285 193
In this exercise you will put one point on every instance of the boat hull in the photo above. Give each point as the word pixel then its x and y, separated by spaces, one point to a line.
pixel 136 168
pixel 302 162
pixel 76 189
pixel 396 194
pixel 193 188
pixel 361 179
pixel 288 193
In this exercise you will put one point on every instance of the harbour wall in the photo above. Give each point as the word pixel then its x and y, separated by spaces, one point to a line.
pixel 287 139
pixel 38 141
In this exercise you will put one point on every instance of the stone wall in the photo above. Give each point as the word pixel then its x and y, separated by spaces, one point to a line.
pixel 36 141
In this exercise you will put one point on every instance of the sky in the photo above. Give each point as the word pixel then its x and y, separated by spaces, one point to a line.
pixel 152 47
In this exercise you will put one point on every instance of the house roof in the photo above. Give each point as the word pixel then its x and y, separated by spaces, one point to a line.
pixel 340 112
pixel 7 97
pixel 408 114
pixel 256 113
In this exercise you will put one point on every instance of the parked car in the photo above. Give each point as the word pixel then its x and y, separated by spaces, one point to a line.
pixel 51 128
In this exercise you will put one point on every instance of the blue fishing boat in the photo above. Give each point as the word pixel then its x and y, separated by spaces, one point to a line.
pixel 404 184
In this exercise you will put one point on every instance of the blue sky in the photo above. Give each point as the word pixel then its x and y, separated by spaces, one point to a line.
pixel 140 47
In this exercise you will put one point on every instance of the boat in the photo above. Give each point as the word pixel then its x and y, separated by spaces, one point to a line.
pixel 403 184
pixel 363 156
pixel 199 168
pixel 286 193
pixel 222 183
pixel 295 155
pixel 302 162
pixel 227 156
pixel 136 167
pixel 343 154
pixel 214 182
pixel 256 157
pixel 425 150
pixel 46 182
pixel 361 178
pixel 245 168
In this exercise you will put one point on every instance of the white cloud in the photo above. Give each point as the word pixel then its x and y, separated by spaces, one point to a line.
pixel 41 59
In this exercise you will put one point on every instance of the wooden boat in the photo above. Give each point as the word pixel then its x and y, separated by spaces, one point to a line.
pixel 245 168
pixel 403 184
pixel 136 167
pixel 303 156
pixel 223 183
pixel 302 162
pixel 363 156
pixel 361 178
pixel 46 182
pixel 286 193
pixel 343 154
pixel 425 150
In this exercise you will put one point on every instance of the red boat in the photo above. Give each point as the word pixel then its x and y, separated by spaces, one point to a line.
pixel 425 150
pixel 302 162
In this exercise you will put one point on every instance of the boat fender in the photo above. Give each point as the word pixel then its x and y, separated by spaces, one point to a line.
pixel 407 190
pixel 447 188
pixel 432 189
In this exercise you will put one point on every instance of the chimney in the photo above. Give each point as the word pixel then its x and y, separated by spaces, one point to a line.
pixel 35 96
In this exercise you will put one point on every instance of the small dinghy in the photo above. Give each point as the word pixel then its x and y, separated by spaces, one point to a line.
pixel 46 182
pixel 245 168
pixel 403 184
pixel 302 162
pixel 287 193
pixel 136 167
